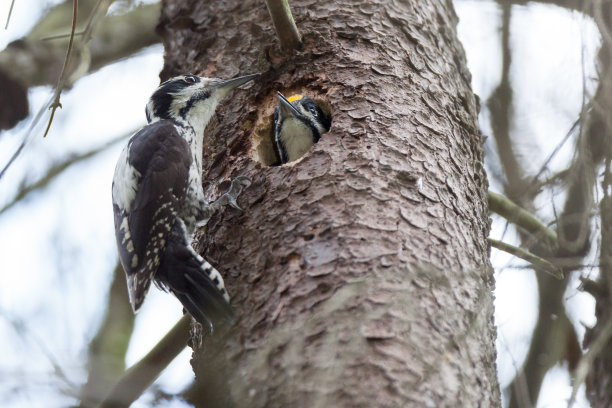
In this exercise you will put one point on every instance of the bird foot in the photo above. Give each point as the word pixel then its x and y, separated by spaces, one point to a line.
pixel 230 196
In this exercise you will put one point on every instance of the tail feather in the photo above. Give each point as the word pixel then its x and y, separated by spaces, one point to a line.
pixel 196 284
pixel 205 305
pixel 208 301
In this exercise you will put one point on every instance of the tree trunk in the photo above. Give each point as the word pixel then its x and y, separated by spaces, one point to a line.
pixel 599 134
pixel 360 273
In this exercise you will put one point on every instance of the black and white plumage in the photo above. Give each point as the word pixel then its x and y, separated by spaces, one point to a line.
pixel 158 199
pixel 299 123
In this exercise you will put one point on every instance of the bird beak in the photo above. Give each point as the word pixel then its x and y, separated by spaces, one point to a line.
pixel 286 108
pixel 224 86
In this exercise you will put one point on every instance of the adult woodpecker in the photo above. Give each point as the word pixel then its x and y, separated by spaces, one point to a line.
pixel 158 199
pixel 299 123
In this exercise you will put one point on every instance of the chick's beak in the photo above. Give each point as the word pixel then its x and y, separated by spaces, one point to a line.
pixel 286 109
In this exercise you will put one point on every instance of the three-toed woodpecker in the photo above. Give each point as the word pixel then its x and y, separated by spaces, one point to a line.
pixel 158 199
pixel 299 123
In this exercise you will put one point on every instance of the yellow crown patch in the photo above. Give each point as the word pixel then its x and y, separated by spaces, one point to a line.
pixel 294 98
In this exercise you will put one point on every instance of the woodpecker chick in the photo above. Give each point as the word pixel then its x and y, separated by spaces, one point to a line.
pixel 158 199
pixel 299 123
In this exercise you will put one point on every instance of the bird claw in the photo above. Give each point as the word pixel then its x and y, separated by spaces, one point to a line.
pixel 230 196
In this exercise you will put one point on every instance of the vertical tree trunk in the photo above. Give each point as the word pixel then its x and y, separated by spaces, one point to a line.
pixel 599 134
pixel 359 274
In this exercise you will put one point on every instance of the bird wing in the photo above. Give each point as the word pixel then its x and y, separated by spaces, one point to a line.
pixel 158 161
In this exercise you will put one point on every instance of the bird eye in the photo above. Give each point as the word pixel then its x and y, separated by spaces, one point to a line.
pixel 313 110
pixel 190 79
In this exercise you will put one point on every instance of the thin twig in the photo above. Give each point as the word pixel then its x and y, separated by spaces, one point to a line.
pixel 60 36
pixel 536 261
pixel 515 214
pixel 27 137
pixel 584 366
pixel 54 171
pixel 142 374
pixel 23 330
pixel 8 18
pixel 99 9
pixel 551 156
pixel 60 82
pixel 553 180
pixel 285 27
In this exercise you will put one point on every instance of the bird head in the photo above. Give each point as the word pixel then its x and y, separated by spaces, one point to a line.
pixel 303 109
pixel 190 99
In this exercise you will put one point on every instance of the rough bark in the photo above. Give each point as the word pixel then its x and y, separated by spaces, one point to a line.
pixel 360 273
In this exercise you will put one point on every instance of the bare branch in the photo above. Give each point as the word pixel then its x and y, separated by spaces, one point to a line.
pixel 551 337
pixel 31 61
pixel 285 27
pixel 58 169
pixel 8 17
pixel 106 360
pixel 515 214
pixel 141 375
pixel 586 362
pixel 26 139
pixel 60 36
pixel 24 330
pixel 60 82
pixel 536 261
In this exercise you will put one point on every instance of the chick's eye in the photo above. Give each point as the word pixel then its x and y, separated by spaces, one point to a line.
pixel 190 79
